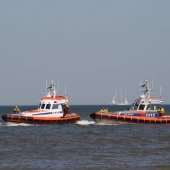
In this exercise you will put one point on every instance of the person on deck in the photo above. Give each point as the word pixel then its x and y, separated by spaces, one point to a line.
pixel 104 109
pixel 161 111
pixel 16 109
pixel 65 109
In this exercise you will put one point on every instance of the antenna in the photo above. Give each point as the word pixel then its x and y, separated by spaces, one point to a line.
pixel 152 84
pixel 160 91
pixel 58 85
pixel 140 85
pixel 46 85
pixel 65 91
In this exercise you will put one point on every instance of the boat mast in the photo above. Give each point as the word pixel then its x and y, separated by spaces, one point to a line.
pixel 51 91
pixel 65 91
pixel 145 89
pixel 160 91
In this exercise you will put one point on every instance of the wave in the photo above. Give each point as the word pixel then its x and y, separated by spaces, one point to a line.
pixel 14 124
pixel 105 123
pixel 85 122
pixel 88 122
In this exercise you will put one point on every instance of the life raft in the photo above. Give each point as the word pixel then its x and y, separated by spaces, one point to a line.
pixel 70 118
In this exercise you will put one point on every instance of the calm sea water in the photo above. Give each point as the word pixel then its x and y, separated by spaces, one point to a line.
pixel 84 145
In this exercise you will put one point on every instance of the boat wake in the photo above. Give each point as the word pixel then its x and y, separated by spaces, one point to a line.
pixel 88 122
pixel 14 124
pixel 106 124
pixel 85 122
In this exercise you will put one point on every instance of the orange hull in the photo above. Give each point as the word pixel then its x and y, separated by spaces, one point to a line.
pixel 126 118
pixel 40 120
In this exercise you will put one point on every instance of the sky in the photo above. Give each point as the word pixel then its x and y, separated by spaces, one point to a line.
pixel 90 47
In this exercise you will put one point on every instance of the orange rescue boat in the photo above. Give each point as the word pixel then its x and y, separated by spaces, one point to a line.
pixel 53 109
pixel 143 110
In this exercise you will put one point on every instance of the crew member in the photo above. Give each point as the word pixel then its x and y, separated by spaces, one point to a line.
pixel 16 109
pixel 161 111
pixel 104 109
pixel 66 109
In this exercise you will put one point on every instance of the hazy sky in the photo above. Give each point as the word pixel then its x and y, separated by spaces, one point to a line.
pixel 92 47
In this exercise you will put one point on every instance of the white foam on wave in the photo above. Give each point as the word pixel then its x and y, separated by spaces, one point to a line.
pixel 88 122
pixel 14 124
pixel 85 122
pixel 105 124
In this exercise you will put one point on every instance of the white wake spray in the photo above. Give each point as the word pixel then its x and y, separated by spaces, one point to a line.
pixel 14 124
pixel 85 122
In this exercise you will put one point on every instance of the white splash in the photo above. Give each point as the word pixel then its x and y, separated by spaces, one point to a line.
pixel 14 124
pixel 85 122
pixel 105 124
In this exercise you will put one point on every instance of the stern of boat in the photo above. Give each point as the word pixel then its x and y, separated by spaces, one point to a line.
pixel 93 115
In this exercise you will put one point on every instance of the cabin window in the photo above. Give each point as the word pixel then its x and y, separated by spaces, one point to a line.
pixel 42 106
pixel 48 106
pixel 39 107
pixel 135 107
pixel 154 107
pixel 141 107
pixel 55 106
pixel 150 107
pixel 131 108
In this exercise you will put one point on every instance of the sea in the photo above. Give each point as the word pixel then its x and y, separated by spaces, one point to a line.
pixel 85 144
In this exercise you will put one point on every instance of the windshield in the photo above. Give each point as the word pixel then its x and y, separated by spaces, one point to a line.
pixel 41 106
pixel 55 106
pixel 48 106
pixel 141 107
pixel 150 107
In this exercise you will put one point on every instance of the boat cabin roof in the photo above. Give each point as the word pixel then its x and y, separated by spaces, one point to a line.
pixel 54 98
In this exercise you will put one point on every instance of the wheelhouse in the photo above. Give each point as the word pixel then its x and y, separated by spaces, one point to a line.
pixel 48 105
pixel 143 107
